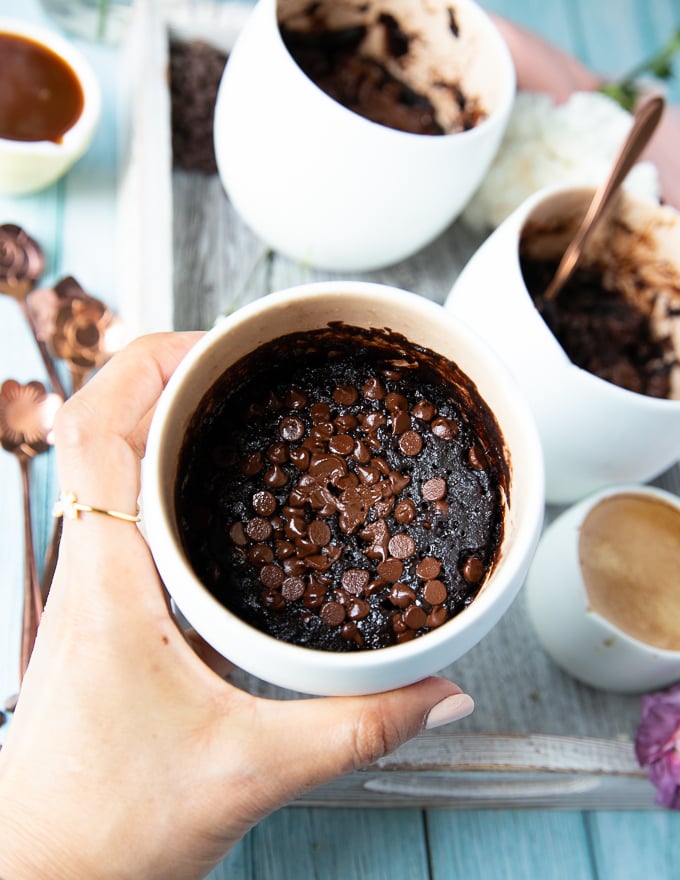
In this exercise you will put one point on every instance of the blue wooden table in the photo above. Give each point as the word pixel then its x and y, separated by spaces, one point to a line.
pixel 303 842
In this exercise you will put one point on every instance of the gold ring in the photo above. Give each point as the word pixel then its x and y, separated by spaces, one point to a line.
pixel 69 507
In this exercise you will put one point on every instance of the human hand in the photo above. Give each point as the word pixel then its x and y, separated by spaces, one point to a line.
pixel 128 756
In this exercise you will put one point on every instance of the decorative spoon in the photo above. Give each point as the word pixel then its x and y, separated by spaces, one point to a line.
pixel 22 262
pixel 645 120
pixel 26 421
pixel 83 332
pixel 75 327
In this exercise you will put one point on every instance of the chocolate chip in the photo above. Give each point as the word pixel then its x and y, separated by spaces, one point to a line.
pixel 398 482
pixel 300 458
pixel 258 528
pixel 472 569
pixel 252 464
pixel 401 595
pixel 434 592
pixel 275 477
pixel 343 444
pixel 406 636
pixel 264 503
pixel 414 617
pixel 355 580
pixel 428 568
pixel 358 609
pixel 437 616
pixel 295 399
pixel 410 443
pixel 320 412
pixel 401 546
pixel 278 453
pixel 405 511
pixel 237 534
pixel 271 576
pixel 445 429
pixel 345 395
pixel 296 527
pixel 434 489
pixel 396 402
pixel 284 549
pixel 350 632
pixel 391 569
pixel 291 428
pixel 373 389
pixel 319 533
pixel 368 475
pixel 372 421
pixel 273 600
pixel 424 410
pixel 476 458
pixel 345 423
pixel 260 554
pixel 401 422
pixel 361 452
pixel 332 613
pixel 292 588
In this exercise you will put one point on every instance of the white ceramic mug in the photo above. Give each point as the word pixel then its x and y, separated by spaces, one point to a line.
pixel 328 187
pixel 573 622
pixel 594 433
pixel 28 165
pixel 311 307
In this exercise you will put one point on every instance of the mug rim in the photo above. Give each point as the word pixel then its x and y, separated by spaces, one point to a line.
pixel 522 215
pixel 162 534
pixel 577 514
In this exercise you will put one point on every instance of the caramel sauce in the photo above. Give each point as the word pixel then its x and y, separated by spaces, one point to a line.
pixel 41 98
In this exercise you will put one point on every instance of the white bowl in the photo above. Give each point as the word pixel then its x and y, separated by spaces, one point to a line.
pixel 594 433
pixel 27 166
pixel 326 186
pixel 310 307
pixel 580 639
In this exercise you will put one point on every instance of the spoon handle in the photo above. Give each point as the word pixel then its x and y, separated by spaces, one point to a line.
pixel 57 384
pixel 33 604
pixel 645 121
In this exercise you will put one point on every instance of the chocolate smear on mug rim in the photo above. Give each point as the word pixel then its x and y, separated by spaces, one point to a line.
pixel 356 566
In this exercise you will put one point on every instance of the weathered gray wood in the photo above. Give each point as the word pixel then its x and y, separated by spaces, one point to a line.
pixel 220 265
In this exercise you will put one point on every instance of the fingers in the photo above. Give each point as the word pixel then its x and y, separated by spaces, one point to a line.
pixel 319 739
pixel 101 431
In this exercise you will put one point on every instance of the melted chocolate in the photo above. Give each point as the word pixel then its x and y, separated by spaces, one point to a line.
pixel 343 490
pixel 40 96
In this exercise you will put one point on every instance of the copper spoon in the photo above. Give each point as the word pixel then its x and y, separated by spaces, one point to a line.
pixel 84 333
pixel 645 120
pixel 26 419
pixel 21 264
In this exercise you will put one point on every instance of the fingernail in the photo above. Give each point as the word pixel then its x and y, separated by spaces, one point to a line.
pixel 450 709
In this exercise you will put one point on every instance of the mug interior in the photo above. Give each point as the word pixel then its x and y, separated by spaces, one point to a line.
pixel 636 246
pixel 446 51
pixel 368 306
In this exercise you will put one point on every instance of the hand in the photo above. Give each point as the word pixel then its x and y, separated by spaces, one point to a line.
pixel 128 755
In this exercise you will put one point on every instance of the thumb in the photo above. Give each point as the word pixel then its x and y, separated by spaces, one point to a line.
pixel 320 739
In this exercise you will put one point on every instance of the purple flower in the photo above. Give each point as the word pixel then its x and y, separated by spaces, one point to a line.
pixel 657 744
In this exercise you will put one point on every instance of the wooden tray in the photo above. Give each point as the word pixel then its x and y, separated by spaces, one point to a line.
pixel 537 737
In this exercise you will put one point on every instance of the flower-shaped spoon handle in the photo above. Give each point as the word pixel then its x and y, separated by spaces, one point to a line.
pixel 21 264
pixel 26 420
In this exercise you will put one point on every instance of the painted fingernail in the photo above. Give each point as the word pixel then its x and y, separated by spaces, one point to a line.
pixel 450 709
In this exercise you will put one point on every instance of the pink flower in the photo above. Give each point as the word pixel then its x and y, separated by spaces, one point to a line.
pixel 657 744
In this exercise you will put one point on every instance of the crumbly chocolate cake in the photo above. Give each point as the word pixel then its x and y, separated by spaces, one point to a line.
pixel 334 61
pixel 601 329
pixel 342 490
